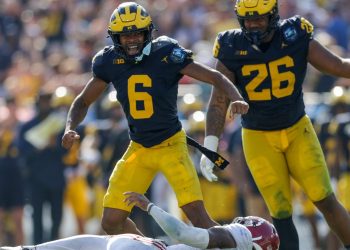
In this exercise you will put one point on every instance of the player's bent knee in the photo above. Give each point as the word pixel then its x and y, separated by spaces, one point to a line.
pixel 113 221
pixel 281 211
pixel 282 214
pixel 112 228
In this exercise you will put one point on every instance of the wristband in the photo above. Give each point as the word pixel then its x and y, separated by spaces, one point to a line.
pixel 149 207
pixel 211 142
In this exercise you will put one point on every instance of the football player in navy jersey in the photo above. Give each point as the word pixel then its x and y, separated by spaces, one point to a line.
pixel 145 72
pixel 267 59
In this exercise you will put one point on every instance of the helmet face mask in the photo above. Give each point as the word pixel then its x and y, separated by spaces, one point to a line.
pixel 264 234
pixel 132 43
pixel 254 9
pixel 130 18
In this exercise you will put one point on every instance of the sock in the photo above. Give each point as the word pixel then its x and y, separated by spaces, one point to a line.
pixel 289 239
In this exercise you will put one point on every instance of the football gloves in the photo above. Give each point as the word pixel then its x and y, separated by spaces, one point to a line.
pixel 210 142
pixel 210 157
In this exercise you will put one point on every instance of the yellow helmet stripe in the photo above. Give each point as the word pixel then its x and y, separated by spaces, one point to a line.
pixel 128 16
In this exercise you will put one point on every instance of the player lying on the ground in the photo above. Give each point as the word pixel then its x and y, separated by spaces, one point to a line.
pixel 244 233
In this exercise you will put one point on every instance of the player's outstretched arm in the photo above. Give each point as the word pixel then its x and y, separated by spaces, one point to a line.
pixel 327 62
pixel 78 110
pixel 174 228
pixel 218 105
pixel 192 236
pixel 218 80
pixel 215 121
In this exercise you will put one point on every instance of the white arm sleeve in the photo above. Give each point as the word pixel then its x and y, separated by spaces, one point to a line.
pixel 176 229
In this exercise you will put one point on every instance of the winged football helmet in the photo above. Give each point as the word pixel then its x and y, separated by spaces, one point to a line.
pixel 130 17
pixel 246 9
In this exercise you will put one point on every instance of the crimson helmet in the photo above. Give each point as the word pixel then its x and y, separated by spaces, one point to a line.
pixel 264 234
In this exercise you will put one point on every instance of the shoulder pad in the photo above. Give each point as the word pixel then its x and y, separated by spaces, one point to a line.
pixel 101 63
pixel 225 41
pixel 163 41
pixel 227 36
pixel 296 27
pixel 98 58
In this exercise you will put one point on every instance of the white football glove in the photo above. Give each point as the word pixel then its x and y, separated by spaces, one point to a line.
pixel 210 142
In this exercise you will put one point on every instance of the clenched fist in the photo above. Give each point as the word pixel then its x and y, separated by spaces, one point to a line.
pixel 68 139
pixel 239 107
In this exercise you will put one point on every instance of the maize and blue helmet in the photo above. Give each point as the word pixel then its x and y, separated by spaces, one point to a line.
pixel 127 18
pixel 246 9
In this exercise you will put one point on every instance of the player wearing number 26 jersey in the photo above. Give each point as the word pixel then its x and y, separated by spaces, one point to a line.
pixel 145 72
pixel 267 59
pixel 270 80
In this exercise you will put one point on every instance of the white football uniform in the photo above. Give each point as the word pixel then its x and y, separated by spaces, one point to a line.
pixel 107 242
pixel 133 241
pixel 98 242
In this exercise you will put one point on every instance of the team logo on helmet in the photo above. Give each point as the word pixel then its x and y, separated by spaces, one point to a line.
pixel 127 18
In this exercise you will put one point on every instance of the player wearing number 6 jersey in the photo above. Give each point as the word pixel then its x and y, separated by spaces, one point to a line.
pixel 267 58
pixel 145 72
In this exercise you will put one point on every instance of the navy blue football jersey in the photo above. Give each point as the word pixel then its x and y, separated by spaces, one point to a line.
pixel 148 89
pixel 271 80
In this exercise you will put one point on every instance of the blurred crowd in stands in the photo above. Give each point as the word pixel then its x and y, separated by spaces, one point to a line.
pixel 46 48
